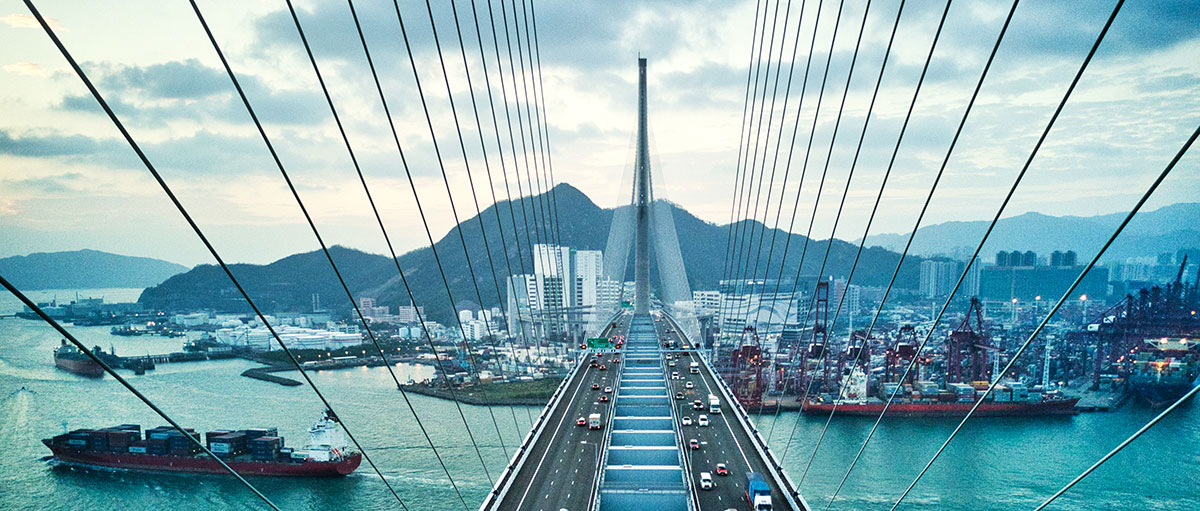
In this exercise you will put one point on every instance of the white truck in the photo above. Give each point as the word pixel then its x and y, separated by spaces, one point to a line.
pixel 694 368
pixel 714 404
pixel 594 421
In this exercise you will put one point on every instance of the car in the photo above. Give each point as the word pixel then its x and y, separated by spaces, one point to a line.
pixel 672 363
pixel 602 367
pixel 594 364
pixel 722 470
pixel 706 481
pixel 679 395
pixel 697 405
pixel 608 390
pixel 595 386
pixel 581 421
pixel 694 444
pixel 687 420
pixel 689 385
pixel 674 375
pixel 604 398
pixel 616 360
pixel 702 420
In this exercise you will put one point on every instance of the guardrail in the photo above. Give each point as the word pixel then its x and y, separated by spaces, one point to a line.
pixel 791 494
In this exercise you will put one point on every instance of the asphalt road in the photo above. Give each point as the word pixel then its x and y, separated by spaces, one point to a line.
pixel 722 441
pixel 560 472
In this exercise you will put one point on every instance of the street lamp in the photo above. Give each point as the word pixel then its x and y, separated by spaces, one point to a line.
pixel 596 451
pixel 1083 300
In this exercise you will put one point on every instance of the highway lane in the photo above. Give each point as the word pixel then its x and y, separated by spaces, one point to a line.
pixel 560 470
pixel 722 441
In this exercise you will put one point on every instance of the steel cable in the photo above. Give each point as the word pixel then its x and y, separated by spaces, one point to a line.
pixel 750 66
pixel 740 235
pixel 746 245
pixel 735 226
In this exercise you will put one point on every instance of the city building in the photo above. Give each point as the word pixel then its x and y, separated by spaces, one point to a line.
pixel 562 294
pixel 1018 275
pixel 939 277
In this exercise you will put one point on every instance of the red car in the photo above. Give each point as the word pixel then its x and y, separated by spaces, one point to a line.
pixel 582 421
pixel 595 386
pixel 721 469
pixel 695 444
pixel 604 398
pixel 603 367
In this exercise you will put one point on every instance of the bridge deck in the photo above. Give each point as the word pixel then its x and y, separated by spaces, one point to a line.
pixel 641 444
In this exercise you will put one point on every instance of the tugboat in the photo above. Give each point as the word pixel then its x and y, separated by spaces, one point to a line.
pixel 68 358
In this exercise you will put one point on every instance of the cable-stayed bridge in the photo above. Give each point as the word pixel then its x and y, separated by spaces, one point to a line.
pixel 644 426
pixel 640 455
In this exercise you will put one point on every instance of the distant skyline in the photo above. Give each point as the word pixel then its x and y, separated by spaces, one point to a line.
pixel 67 181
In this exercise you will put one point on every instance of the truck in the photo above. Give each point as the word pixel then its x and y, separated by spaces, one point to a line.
pixel 758 494
pixel 714 404
pixel 594 421
pixel 694 368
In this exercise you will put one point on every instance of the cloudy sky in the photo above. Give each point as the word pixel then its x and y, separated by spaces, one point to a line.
pixel 68 181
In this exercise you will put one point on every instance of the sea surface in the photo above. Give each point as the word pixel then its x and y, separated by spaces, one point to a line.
pixel 994 463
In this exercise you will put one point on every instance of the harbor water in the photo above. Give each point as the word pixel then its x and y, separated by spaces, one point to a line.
pixel 993 464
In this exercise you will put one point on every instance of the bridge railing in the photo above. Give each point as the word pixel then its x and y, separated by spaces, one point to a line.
pixel 504 483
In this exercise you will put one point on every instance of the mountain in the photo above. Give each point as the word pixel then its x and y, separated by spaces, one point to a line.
pixel 83 269
pixel 289 284
pixel 1150 233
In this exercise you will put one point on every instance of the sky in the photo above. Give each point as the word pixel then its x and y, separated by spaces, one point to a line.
pixel 69 181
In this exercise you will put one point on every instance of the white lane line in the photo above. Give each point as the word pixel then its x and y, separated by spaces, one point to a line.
pixel 726 421
pixel 557 429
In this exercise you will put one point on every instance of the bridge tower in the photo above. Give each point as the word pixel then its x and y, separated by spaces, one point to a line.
pixel 641 259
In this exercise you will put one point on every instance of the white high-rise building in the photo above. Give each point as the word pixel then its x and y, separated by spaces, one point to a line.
pixel 561 295
pixel 938 277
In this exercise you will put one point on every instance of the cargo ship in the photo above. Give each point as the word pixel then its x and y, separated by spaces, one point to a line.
pixel 928 399
pixel 1165 369
pixel 68 358
pixel 250 452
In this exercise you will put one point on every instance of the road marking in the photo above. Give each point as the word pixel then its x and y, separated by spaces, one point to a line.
pixel 557 429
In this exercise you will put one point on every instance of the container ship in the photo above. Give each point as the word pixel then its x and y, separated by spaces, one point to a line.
pixel 1165 369
pixel 250 452
pixel 68 358
pixel 928 399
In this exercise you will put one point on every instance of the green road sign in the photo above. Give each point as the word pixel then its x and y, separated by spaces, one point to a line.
pixel 599 343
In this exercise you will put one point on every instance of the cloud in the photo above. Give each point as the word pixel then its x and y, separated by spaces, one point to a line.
pixel 62 183
pixel 186 79
pixel 28 21
pixel 187 89
pixel 51 145
pixel 25 69
pixel 203 152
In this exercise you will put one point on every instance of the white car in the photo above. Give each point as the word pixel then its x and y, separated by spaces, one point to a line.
pixel 674 375
pixel 689 385
pixel 706 481
pixel 702 421
pixel 687 420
